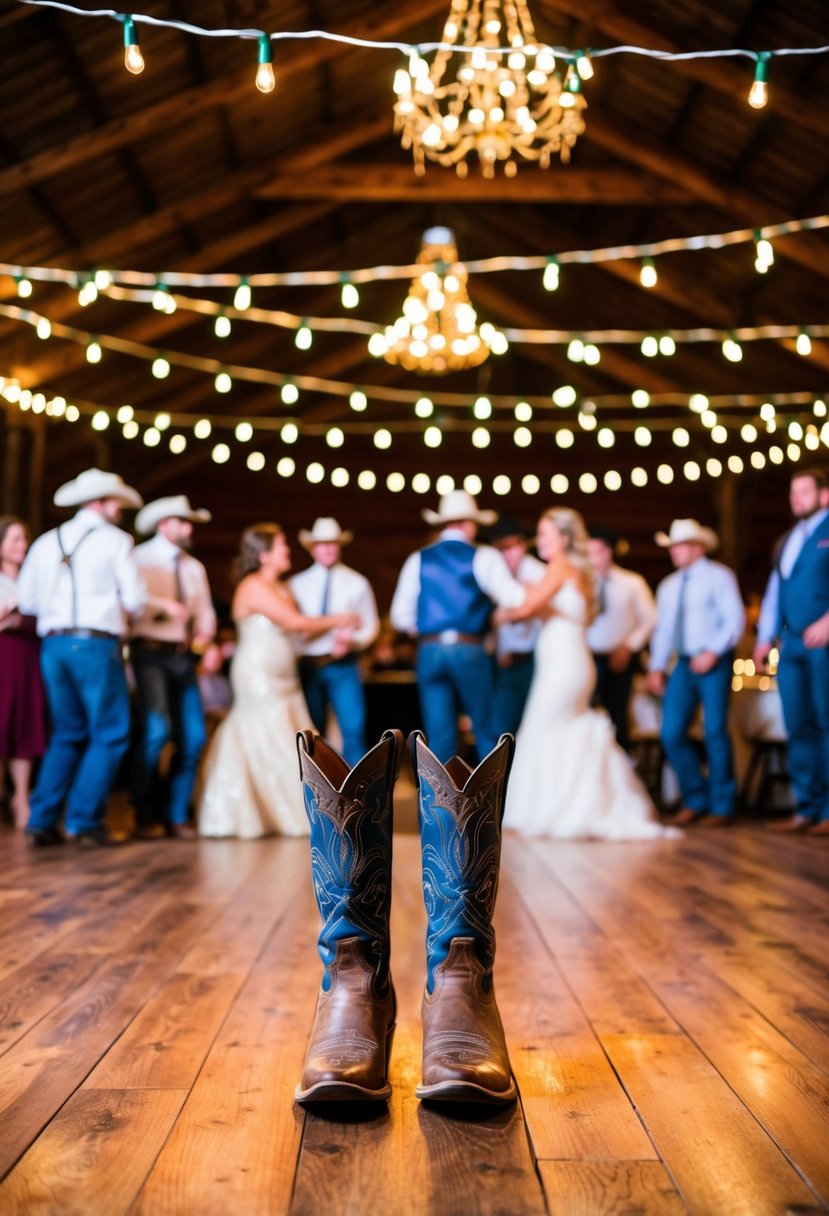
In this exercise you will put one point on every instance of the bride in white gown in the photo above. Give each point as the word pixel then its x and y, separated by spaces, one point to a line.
pixel 570 779
pixel 251 783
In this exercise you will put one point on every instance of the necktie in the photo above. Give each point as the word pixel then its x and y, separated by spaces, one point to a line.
pixel 679 619
pixel 601 596
pixel 326 593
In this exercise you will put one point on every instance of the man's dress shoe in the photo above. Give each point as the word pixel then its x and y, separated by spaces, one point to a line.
pixel 149 831
pixel 46 837
pixel 685 817
pixel 98 838
pixel 716 821
pixel 183 831
pixel 794 823
pixel 819 829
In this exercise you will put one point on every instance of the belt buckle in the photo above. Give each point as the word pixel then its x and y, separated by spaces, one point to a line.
pixel 449 637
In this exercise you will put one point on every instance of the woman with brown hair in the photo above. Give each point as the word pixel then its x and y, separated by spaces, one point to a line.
pixel 22 700
pixel 570 778
pixel 250 781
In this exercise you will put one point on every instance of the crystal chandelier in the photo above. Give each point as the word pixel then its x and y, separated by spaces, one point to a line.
pixel 502 104
pixel 438 330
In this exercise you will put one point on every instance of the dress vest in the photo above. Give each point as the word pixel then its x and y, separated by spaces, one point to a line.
pixel 804 595
pixel 449 596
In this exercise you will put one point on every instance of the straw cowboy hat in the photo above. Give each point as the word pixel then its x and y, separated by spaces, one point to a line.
pixel 94 484
pixel 325 531
pixel 455 507
pixel 684 530
pixel 176 506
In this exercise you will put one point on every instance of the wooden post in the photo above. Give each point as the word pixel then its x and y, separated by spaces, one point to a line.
pixel 727 511
pixel 34 514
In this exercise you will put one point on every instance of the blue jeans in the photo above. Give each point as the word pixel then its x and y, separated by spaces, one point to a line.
pixel 509 696
pixel 89 705
pixel 803 680
pixel 170 709
pixel 338 684
pixel 449 677
pixel 685 692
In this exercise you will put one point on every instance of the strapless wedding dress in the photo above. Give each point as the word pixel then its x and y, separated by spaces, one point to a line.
pixel 251 779
pixel 570 779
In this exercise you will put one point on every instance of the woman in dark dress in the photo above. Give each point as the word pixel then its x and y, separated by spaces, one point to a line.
pixel 22 701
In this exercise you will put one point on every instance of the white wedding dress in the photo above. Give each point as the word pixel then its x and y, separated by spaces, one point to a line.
pixel 251 781
pixel 570 779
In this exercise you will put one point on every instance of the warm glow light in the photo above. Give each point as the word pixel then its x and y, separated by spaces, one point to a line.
pixel 243 432
pixel 133 59
pixel 203 428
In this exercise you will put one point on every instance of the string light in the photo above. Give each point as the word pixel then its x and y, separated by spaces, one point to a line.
pixel 349 295
pixel 759 93
pixel 803 343
pixel 94 353
pixel 24 287
pixel 552 275
pixel 584 66
pixel 133 59
pixel 732 350
pixel 222 326
pixel 763 253
pixel 242 296
pixel 265 78
pixel 647 273
pixel 304 337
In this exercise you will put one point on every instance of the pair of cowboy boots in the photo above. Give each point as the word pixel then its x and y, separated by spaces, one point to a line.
pixel 350 812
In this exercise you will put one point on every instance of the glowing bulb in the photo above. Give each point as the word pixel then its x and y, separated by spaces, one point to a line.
pixel 265 78
pixel 349 295
pixel 759 93
pixel 803 345
pixel 100 421
pixel 44 328
pixel 402 82
pixel 221 453
pixel 647 274
pixel 222 326
pixel 358 401
pixel 552 276
pixel 94 352
pixel 303 338
pixel 161 368
pixel 133 59
pixel 242 296
pixel 289 394
pixel 203 428
pixel 243 432
pixel 24 288
pixel 732 350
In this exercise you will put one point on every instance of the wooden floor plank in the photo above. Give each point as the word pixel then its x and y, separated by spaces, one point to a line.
pixel 597 1188
pixel 666 1005
pixel 93 1158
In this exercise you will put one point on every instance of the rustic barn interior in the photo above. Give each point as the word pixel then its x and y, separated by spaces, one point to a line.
pixel 665 1003
pixel 188 167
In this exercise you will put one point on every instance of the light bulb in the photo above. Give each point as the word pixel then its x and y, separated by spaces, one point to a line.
pixel 222 326
pixel 265 78
pixel 759 93
pixel 349 295
pixel 133 59
pixel 584 66
pixel 803 344
pixel 24 288
pixel 551 276
pixel 303 338
pixel 647 274
pixel 242 296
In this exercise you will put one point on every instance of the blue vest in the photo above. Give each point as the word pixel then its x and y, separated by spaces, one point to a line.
pixel 449 596
pixel 804 595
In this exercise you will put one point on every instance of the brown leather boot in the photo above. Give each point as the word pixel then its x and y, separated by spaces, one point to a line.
pixel 465 1055
pixel 350 813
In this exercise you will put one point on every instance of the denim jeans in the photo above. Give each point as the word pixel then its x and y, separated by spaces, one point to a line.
pixel 803 680
pixel 338 684
pixel 170 710
pixel 449 678
pixel 509 696
pixel 685 692
pixel 89 705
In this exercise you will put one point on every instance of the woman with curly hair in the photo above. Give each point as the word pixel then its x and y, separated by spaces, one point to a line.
pixel 570 779
pixel 250 780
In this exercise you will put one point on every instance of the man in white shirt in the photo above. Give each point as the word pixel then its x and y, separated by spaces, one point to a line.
pixel 514 640
pixel 329 663
pixel 80 580
pixel 445 597
pixel 177 624
pixel 624 622
pixel 700 619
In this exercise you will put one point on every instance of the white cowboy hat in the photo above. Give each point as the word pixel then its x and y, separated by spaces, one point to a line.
pixel 684 530
pixel 177 506
pixel 93 484
pixel 456 506
pixel 325 531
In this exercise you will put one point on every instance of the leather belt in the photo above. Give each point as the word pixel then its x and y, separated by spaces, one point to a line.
pixel 516 658
pixel 316 661
pixel 82 633
pixel 453 637
pixel 161 647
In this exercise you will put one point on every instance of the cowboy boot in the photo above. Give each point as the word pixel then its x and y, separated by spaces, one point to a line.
pixel 464 1052
pixel 350 813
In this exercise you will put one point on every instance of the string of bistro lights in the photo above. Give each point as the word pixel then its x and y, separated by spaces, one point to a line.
pixel 265 77
pixel 162 426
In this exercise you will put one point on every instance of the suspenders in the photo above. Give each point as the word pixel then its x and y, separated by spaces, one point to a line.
pixel 66 560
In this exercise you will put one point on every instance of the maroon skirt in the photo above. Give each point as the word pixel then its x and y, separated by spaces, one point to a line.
pixel 22 700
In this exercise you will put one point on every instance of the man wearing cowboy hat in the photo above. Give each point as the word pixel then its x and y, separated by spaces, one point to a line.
pixel 80 580
pixel 445 597
pixel 177 623
pixel 700 619
pixel 794 613
pixel 328 664
pixel 624 621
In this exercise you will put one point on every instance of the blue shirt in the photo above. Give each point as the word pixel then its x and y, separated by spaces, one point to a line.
pixel 714 616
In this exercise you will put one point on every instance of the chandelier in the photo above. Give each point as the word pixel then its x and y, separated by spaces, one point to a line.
pixel 438 330
pixel 502 103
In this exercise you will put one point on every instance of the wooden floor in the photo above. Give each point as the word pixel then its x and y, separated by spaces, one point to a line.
pixel 666 1005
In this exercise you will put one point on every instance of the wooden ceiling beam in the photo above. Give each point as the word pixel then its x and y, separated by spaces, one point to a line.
pixel 295 58
pixel 398 183
pixel 723 75
pixel 807 250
